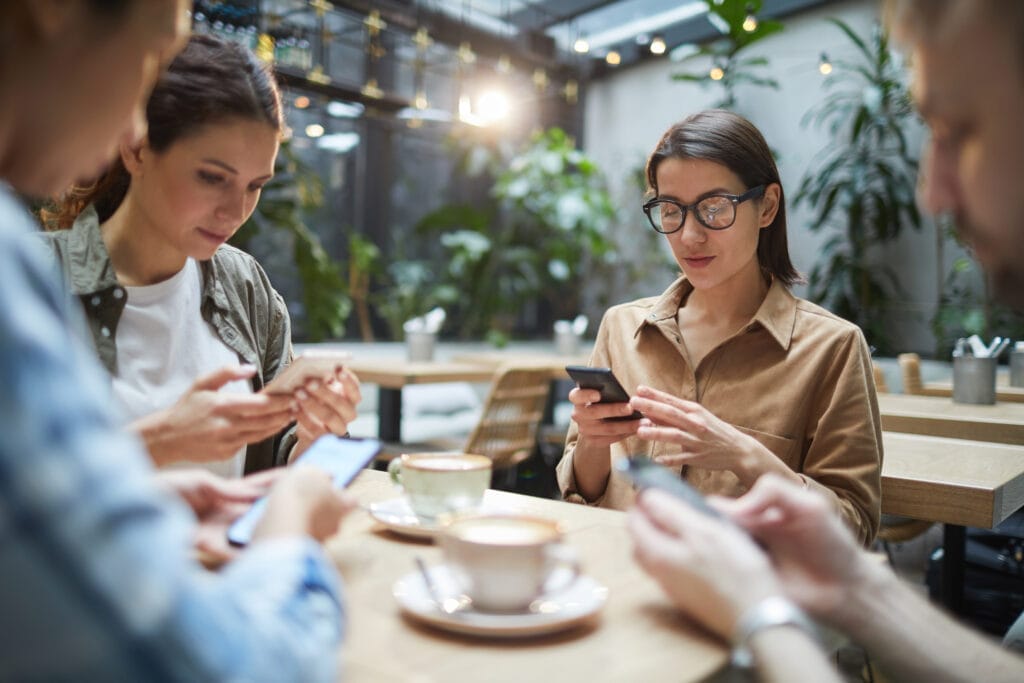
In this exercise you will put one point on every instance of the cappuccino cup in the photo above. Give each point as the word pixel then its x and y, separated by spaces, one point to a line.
pixel 441 483
pixel 504 562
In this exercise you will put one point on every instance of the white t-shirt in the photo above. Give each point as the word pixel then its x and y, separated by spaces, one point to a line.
pixel 164 346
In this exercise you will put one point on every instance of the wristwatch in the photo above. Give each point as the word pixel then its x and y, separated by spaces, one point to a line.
pixel 769 613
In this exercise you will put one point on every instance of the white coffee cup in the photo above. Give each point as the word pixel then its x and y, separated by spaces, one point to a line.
pixel 441 483
pixel 503 562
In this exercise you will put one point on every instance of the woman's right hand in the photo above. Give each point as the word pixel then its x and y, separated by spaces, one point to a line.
pixel 589 416
pixel 303 502
pixel 206 424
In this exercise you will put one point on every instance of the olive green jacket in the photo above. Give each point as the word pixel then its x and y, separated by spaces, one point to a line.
pixel 238 302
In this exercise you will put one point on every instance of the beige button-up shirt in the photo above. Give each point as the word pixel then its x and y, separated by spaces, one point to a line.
pixel 797 378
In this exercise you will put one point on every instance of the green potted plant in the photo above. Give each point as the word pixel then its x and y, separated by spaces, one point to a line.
pixel 862 188
pixel 545 221
pixel 730 67
pixel 277 223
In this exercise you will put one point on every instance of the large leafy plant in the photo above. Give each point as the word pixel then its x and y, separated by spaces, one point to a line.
pixel 862 187
pixel 730 66
pixel 547 218
pixel 277 223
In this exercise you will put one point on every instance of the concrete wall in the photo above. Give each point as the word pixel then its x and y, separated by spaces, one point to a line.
pixel 626 112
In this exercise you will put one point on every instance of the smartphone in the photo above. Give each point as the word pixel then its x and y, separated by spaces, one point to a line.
pixel 342 458
pixel 604 381
pixel 308 365
pixel 646 474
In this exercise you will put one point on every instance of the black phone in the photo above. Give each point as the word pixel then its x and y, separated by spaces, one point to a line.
pixel 342 458
pixel 604 380
pixel 647 474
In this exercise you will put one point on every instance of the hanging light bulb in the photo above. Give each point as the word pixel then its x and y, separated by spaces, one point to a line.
pixel 581 46
pixel 824 66
pixel 613 58
pixel 301 102
pixel 750 23
pixel 314 130
pixel 716 73
pixel 658 45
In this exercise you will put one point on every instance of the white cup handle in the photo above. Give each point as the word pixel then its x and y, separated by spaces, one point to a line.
pixel 395 471
pixel 562 556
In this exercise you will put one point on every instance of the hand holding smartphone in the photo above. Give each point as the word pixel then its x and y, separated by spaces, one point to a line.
pixel 605 382
pixel 646 474
pixel 342 458
pixel 309 365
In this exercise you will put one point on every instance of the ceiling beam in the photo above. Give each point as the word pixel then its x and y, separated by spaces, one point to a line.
pixel 541 16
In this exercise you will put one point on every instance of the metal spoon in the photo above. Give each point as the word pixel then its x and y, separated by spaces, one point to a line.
pixel 452 605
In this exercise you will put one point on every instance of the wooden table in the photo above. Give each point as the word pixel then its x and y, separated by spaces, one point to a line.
pixel 934 416
pixel 638 637
pixel 956 482
pixel 391 374
pixel 1004 392
pixel 496 359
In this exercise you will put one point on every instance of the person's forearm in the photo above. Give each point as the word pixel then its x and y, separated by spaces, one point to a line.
pixel 756 460
pixel 913 641
pixel 591 469
pixel 789 655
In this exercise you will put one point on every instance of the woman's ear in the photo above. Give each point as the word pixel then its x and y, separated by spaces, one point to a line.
pixel 769 205
pixel 134 155
pixel 49 19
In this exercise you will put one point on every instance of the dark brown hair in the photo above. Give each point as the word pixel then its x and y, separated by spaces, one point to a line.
pixel 734 142
pixel 209 82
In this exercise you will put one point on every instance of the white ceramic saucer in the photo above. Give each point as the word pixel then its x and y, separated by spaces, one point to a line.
pixel 397 516
pixel 576 603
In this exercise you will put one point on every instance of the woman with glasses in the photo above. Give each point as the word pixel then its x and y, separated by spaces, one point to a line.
pixel 734 375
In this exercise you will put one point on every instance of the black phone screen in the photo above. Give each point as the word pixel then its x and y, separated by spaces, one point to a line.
pixel 603 380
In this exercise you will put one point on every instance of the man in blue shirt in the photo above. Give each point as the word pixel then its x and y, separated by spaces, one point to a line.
pixel 99 580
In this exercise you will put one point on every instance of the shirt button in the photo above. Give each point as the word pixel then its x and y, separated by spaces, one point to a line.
pixel 118 293
pixel 95 300
pixel 105 331
pixel 652 316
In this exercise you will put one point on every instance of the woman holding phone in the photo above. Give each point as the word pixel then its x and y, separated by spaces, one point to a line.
pixel 190 328
pixel 735 376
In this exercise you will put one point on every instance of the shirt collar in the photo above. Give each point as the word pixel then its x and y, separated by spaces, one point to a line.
pixel 90 267
pixel 776 314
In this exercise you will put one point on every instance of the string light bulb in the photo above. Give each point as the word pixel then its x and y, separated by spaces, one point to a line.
pixel 314 130
pixel 581 46
pixel 750 22
pixel 658 45
pixel 613 58
pixel 824 66
pixel 301 102
pixel 716 73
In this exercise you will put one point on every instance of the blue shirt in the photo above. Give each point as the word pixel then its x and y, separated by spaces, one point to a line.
pixel 97 579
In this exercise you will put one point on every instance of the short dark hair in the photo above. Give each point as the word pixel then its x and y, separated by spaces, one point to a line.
pixel 729 139
pixel 209 82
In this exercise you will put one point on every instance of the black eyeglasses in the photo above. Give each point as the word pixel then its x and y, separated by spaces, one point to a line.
pixel 715 212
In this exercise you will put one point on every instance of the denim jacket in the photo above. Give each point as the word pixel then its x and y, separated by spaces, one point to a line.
pixel 238 301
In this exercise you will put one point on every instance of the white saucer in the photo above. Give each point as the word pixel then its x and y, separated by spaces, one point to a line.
pixel 556 611
pixel 397 516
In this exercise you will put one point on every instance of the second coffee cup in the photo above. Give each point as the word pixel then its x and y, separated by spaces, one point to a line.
pixel 441 483
pixel 504 562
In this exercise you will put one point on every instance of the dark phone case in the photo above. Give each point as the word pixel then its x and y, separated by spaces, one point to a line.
pixel 604 380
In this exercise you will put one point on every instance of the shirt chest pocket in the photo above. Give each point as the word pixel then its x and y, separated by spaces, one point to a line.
pixel 781 447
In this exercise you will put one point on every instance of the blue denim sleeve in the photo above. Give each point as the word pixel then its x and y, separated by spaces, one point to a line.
pixel 98 577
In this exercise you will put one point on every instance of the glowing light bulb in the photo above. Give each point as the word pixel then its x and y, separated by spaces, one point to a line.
pixel 824 66
pixel 716 73
pixel 750 23
pixel 613 58
pixel 581 46
pixel 301 102
pixel 658 46
pixel 314 130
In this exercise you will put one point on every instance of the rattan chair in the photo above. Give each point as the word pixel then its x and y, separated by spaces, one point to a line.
pixel 507 430
pixel 881 386
pixel 910 369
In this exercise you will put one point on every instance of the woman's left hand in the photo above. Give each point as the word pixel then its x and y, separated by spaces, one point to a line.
pixel 704 439
pixel 326 408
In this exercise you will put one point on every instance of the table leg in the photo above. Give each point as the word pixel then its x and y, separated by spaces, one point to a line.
pixel 389 415
pixel 954 557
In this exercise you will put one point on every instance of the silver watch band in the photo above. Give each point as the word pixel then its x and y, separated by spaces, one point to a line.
pixel 769 613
